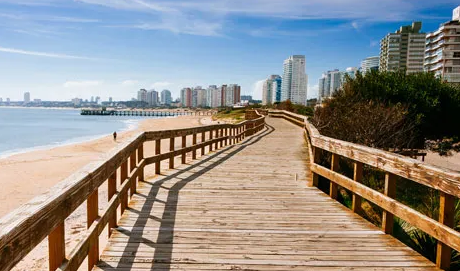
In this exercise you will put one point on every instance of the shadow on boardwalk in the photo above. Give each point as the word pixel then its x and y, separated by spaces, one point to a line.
pixel 164 243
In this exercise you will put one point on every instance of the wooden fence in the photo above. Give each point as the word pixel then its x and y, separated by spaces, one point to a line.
pixel 23 229
pixel 445 181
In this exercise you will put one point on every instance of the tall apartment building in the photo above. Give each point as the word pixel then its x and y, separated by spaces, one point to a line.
pixel 141 96
pixel 271 91
pixel 442 53
pixel 294 84
pixel 403 50
pixel 201 97
pixel 186 97
pixel 27 97
pixel 369 64
pixel 332 81
pixel 166 98
pixel 152 98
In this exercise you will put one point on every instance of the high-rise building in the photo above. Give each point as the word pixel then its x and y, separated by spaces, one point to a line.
pixel 442 53
pixel 403 50
pixel 369 64
pixel 152 98
pixel 110 99
pixel 166 98
pixel 186 97
pixel 294 84
pixel 1 100
pixel 210 94
pixel 232 95
pixel 98 100
pixel 223 95
pixel 141 96
pixel 271 91
pixel 27 97
pixel 332 81
pixel 217 97
pixel 92 99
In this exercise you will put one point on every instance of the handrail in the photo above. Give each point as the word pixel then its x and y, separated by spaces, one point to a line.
pixel 446 181
pixel 24 228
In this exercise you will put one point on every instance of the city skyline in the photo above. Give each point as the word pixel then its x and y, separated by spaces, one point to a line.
pixel 59 50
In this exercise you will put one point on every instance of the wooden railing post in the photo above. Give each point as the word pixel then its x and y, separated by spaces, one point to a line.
pixel 390 191
pixel 316 159
pixel 210 139
pixel 132 166
pixel 357 177
pixel 446 217
pixel 203 139
pixel 92 208
pixel 184 144
pixel 140 156
pixel 216 144
pixel 112 190
pixel 56 247
pixel 123 177
pixel 171 149
pixel 221 134
pixel 194 144
pixel 158 152
pixel 226 134
pixel 333 187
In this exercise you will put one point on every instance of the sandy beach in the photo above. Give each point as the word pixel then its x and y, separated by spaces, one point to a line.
pixel 25 176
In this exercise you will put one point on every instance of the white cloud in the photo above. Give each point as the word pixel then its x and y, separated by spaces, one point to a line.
pixel 374 43
pixel 128 83
pixel 355 25
pixel 42 54
pixel 160 85
pixel 257 89
pixel 81 84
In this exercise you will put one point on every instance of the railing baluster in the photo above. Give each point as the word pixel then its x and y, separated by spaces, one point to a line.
pixel 171 149
pixel 56 247
pixel 92 208
pixel 194 148
pixel 226 135
pixel 333 188
pixel 210 139
pixel 158 152
pixel 132 166
pixel 184 144
pixel 390 191
pixel 140 157
pixel 112 190
pixel 316 160
pixel 446 217
pixel 123 177
pixel 357 177
pixel 216 146
pixel 221 133
pixel 203 139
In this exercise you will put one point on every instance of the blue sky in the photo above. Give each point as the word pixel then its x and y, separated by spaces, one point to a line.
pixel 60 49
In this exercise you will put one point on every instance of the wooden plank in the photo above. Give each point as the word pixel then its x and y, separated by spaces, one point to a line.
pixel 333 188
pixel 123 177
pixel 92 208
pixel 210 138
pixel 112 190
pixel 171 148
pixel 56 247
pixel 316 160
pixel 357 177
pixel 184 144
pixel 194 150
pixel 203 139
pixel 132 166
pixel 140 157
pixel 390 191
pixel 158 152
pixel 446 217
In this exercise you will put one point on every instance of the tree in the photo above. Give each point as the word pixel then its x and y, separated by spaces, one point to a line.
pixel 423 106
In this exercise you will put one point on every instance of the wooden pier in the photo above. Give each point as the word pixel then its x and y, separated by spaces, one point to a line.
pixel 145 113
pixel 239 197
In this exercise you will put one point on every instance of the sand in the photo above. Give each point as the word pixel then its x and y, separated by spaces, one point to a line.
pixel 25 176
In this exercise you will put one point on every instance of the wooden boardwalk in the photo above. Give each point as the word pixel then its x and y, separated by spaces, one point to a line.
pixel 243 208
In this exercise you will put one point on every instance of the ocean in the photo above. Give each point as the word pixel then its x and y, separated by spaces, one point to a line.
pixel 28 129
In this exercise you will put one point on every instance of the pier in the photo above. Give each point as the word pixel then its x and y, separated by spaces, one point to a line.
pixel 236 197
pixel 145 113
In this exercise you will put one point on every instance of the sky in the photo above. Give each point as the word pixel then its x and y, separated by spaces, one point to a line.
pixel 62 49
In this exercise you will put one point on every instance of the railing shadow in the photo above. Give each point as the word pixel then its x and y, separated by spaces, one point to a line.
pixel 164 244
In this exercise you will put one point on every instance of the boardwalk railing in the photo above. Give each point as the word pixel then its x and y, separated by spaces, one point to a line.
pixel 23 229
pixel 445 181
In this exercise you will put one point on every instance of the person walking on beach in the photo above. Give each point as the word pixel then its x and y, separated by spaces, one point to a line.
pixel 114 136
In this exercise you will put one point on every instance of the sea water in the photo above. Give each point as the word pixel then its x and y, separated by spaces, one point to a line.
pixel 28 129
